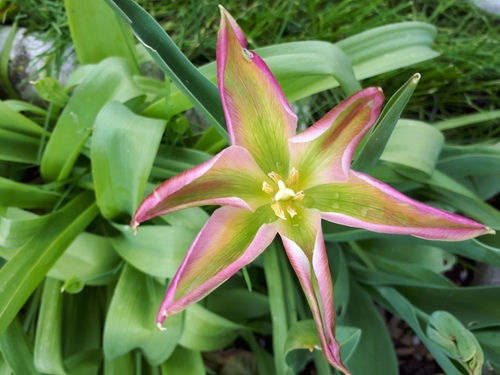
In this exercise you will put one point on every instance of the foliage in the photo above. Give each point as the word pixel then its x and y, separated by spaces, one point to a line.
pixel 79 290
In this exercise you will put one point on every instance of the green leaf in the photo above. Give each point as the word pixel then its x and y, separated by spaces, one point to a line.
pixel 48 345
pixel 177 67
pixel 16 122
pixel 130 320
pixel 389 47
pixel 156 250
pixel 17 349
pixel 124 146
pixel 421 254
pixel 204 330
pixel 456 341
pixel 263 358
pixel 282 306
pixel 97 33
pixel 315 59
pixel 467 120
pixel 20 106
pixel 5 82
pixel 385 271
pixel 109 80
pixel 120 366
pixel 453 193
pixel 184 361
pixel 370 53
pixel 458 301
pixel 490 343
pixel 193 218
pixel 413 149
pixel 50 89
pixel 18 148
pixel 83 321
pixel 245 304
pixel 374 353
pixel 372 149
pixel 24 272
pixel 90 259
pixel 17 227
pixel 460 161
pixel 171 161
pixel 396 303
pixel 17 194
pixel 304 335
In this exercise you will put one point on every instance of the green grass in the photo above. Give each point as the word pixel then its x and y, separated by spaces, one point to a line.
pixel 46 18
pixel 464 79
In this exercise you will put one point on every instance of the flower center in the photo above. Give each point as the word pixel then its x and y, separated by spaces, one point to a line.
pixel 284 195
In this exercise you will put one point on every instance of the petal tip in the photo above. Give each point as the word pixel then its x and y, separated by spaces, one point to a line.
pixel 223 10
pixel 160 326
pixel 134 224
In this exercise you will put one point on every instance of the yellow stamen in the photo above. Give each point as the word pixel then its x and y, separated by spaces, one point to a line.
pixel 276 177
pixel 284 195
pixel 298 196
pixel 293 177
pixel 276 206
pixel 291 210
pixel 266 188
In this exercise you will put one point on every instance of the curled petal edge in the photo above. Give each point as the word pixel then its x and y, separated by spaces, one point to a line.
pixel 320 300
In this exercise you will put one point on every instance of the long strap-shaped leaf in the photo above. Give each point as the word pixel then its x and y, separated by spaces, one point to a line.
pixel 22 274
pixel 373 146
pixel 178 68
pixel 308 67
pixel 97 33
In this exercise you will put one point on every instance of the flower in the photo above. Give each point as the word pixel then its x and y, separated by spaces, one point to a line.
pixel 271 181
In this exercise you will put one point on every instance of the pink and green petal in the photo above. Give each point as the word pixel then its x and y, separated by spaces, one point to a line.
pixel 257 113
pixel 304 244
pixel 323 153
pixel 230 178
pixel 364 202
pixel 230 239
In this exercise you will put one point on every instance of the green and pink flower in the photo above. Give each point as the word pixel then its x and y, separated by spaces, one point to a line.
pixel 273 181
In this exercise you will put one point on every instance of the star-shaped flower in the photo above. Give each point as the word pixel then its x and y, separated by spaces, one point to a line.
pixel 271 181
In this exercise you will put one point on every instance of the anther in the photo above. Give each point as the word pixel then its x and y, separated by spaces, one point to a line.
pixel 275 177
pixel 266 188
pixel 276 206
pixel 291 210
pixel 293 177
pixel 298 196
